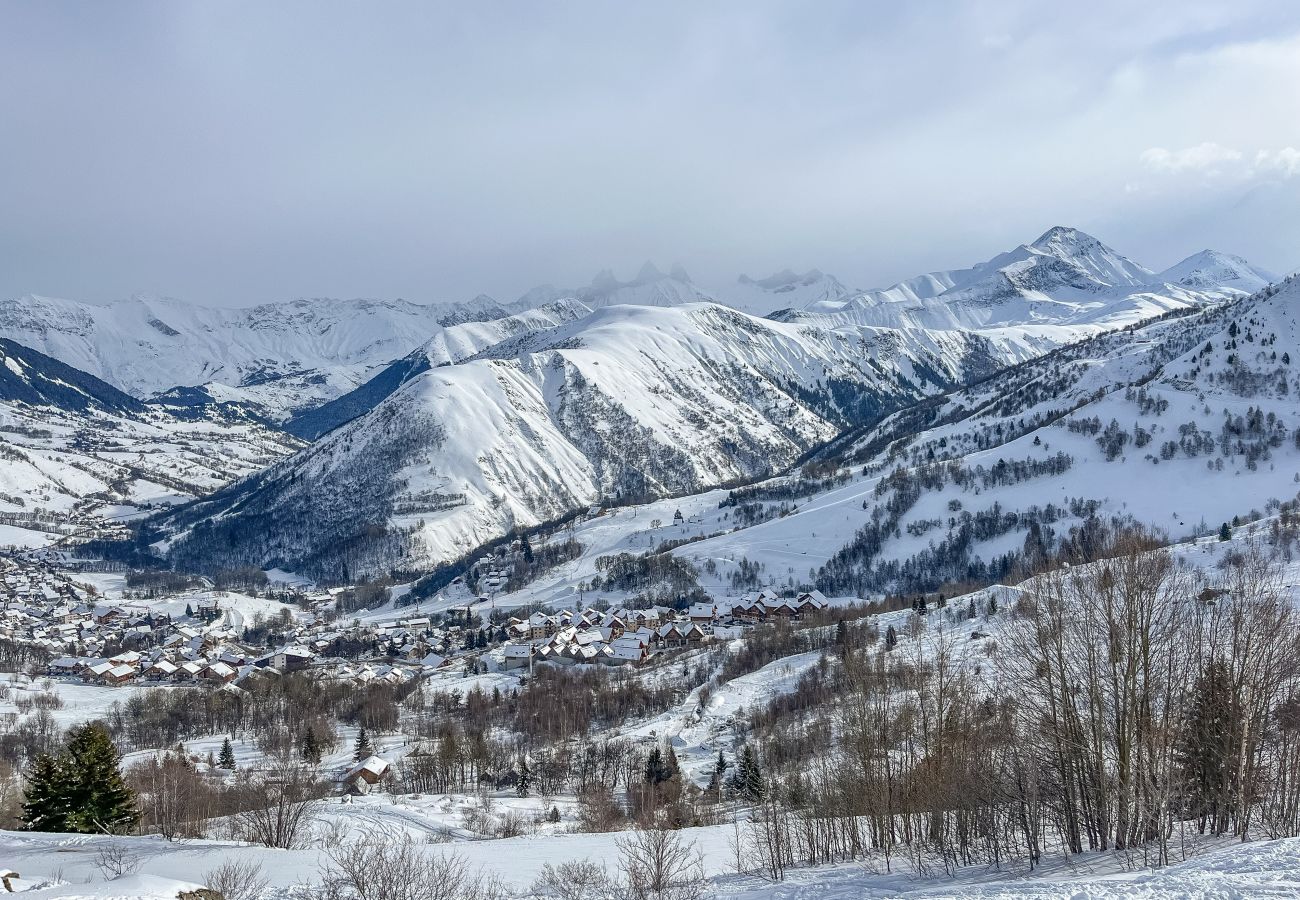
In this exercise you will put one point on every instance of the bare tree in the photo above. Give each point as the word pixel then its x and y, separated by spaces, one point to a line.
pixel 376 866
pixel 278 803
pixel 577 880
pixel 659 864
pixel 237 879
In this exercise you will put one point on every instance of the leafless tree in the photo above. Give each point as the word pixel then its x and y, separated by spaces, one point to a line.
pixel 278 803
pixel 577 880
pixel 237 879
pixel 377 866
pixel 659 864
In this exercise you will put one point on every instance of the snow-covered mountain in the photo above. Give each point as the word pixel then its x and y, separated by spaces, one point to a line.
pixel 35 379
pixel 1181 424
pixel 277 357
pixel 448 345
pixel 75 450
pixel 1062 287
pixel 277 360
pixel 629 402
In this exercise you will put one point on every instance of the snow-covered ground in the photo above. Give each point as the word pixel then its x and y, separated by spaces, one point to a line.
pixel 65 866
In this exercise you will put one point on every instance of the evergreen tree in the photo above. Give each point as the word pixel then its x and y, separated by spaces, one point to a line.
pixel 363 749
pixel 525 782
pixel 671 767
pixel 528 550
pixel 654 767
pixel 1205 750
pixel 721 765
pixel 970 612
pixel 841 632
pixel 46 800
pixel 748 780
pixel 1225 532
pixel 227 758
pixel 310 747
pixel 891 638
pixel 82 790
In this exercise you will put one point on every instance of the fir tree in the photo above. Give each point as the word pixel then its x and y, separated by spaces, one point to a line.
pixel 891 638
pixel 654 767
pixel 1225 532
pixel 310 747
pixel 525 782
pixel 528 550
pixel 363 749
pixel 82 790
pixel 227 758
pixel 748 780
pixel 671 767
pixel 46 801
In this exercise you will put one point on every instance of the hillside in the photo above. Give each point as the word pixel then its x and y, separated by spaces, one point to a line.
pixel 626 403
pixel 77 450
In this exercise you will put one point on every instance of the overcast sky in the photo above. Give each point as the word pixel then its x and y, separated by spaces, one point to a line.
pixel 234 153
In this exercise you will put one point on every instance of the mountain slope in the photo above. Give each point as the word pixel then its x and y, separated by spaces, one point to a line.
pixel 35 379
pixel 1063 287
pixel 75 450
pixel 629 402
pixel 448 345
pixel 974 483
pixel 146 346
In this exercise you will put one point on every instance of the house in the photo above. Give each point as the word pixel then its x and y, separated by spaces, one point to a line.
pixel 219 671
pixel 702 612
pixel 517 655
pixel 119 675
pixel 365 775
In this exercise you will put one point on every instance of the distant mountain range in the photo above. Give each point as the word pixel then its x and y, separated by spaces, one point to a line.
pixel 440 428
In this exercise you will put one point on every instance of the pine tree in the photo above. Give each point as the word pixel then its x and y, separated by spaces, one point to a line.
pixel 363 749
pixel 721 765
pixel 310 747
pixel 525 782
pixel 82 790
pixel 46 801
pixel 891 638
pixel 654 767
pixel 1225 532
pixel 528 550
pixel 841 633
pixel 748 780
pixel 227 758
pixel 671 767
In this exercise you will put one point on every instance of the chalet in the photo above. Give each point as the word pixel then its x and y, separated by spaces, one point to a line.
pixel 219 671
pixel 702 612
pixel 366 775
pixel 119 675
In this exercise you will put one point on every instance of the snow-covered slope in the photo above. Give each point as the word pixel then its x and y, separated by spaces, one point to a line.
pixel 784 290
pixel 74 450
pixel 148 345
pixel 37 380
pixel 447 346
pixel 1065 286
pixel 629 402
pixel 962 486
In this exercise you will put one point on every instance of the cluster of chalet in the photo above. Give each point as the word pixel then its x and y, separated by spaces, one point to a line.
pixel 759 606
pixel 630 636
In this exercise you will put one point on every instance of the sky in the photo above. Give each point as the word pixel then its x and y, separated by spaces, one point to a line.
pixel 232 153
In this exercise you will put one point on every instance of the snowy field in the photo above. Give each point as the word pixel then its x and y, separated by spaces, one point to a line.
pixel 65 867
